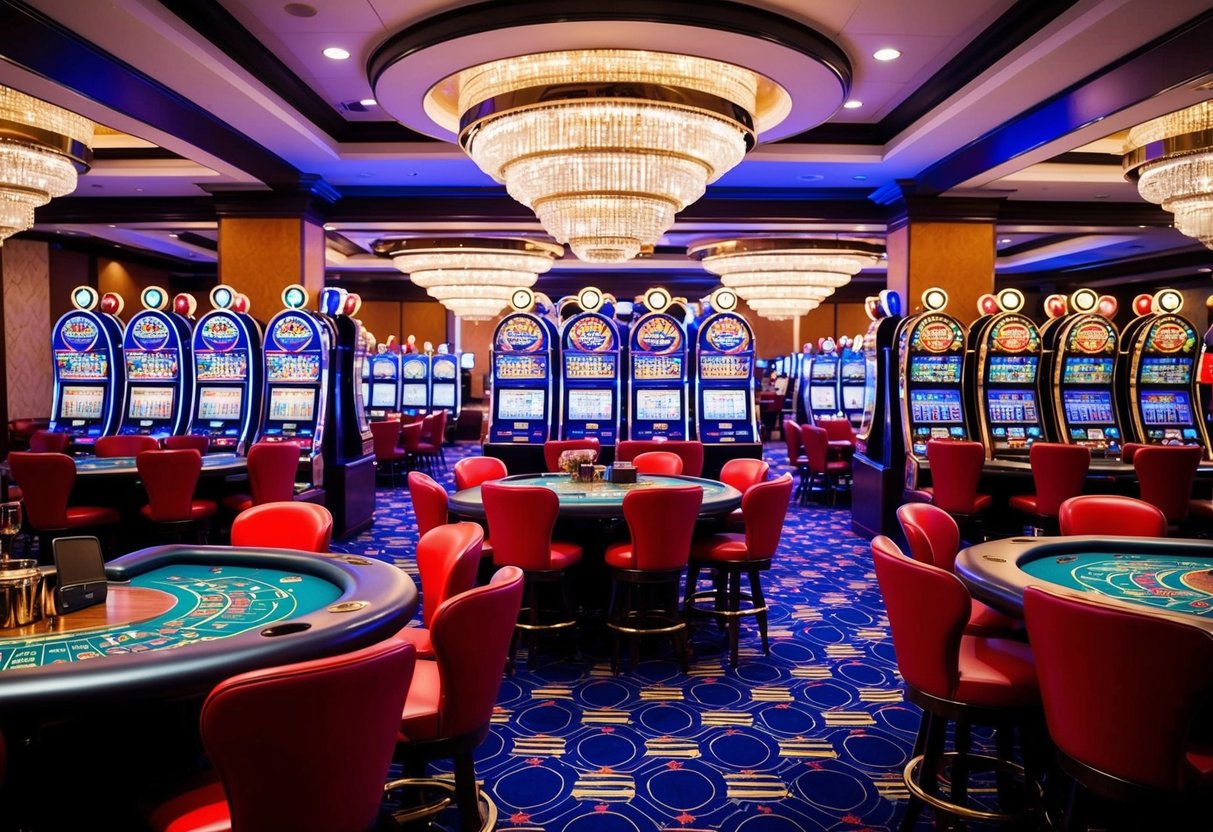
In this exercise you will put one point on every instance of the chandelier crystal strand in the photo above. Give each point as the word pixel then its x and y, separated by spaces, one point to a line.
pixel 1171 158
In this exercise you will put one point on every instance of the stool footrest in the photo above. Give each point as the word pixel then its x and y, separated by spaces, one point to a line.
pixel 911 777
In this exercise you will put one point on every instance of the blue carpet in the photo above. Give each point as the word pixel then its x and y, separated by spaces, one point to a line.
pixel 812 737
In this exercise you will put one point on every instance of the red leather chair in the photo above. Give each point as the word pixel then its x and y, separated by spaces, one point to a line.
pixel 1111 515
pixel 272 468
pixel 472 471
pixel 731 555
pixel 1098 662
pixel 658 462
pixel 1165 474
pixel 816 443
pixel 128 445
pixel 389 456
pixel 629 449
pixel 177 443
pixel 47 480
pixel 433 436
pixel 520 520
pixel 952 676
pixel 429 502
pixel 410 441
pixel 553 448
pixel 934 538
pixel 1129 450
pixel 330 726
pixel 48 442
pixel 170 478
pixel 955 473
pixel 796 457
pixel 742 474
pixel 691 453
pixel 1059 472
pixel 447 558
pixel 841 436
pixel 661 522
pixel 304 526
pixel 450 703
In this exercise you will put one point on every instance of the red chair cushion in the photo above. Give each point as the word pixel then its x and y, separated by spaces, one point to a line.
pixel 619 555
pixel 420 721
pixel 838 466
pixel 1023 502
pixel 919 495
pixel 1200 509
pixel 419 637
pixel 237 502
pixel 91 516
pixel 1199 758
pixel 987 621
pixel 486 550
pixel 202 809
pixel 14 493
pixel 720 547
pixel 565 554
pixel 198 509
pixel 996 673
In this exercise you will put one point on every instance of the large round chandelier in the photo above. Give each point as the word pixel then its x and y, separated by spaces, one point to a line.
pixel 42 148
pixel 472 277
pixel 1171 158
pixel 783 278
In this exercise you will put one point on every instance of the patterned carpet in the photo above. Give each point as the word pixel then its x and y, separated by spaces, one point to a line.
pixel 812 737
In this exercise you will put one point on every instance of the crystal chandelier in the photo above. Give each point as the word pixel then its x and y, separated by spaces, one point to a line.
pixel 472 277
pixel 606 145
pixel 1172 160
pixel 783 278
pixel 42 147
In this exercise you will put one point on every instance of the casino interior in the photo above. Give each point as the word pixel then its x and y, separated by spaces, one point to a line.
pixel 631 415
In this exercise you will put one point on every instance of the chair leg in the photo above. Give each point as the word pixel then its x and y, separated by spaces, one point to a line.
pixel 915 805
pixel 759 603
pixel 960 768
pixel 681 643
pixel 734 582
pixel 467 794
pixel 612 612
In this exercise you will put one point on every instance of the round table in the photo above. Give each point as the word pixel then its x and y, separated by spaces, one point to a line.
pixel 92 469
pixel 599 499
pixel 1168 576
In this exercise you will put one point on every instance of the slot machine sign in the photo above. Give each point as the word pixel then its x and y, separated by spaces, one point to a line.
pixel 591 334
pixel 1092 338
pixel 1015 334
pixel 727 334
pixel 293 333
pixel 219 334
pixel 150 333
pixel 659 334
pixel 521 334
pixel 937 334
pixel 79 333
pixel 1168 336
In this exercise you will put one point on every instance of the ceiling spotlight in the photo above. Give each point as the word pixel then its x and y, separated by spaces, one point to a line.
pixel 174 236
pixel 810 177
pixel 1004 241
pixel 330 227
pixel 887 54
pixel 336 53
pixel 853 104
pixel 859 177
pixel 368 102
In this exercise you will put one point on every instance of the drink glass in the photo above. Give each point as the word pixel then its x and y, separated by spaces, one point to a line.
pixel 10 527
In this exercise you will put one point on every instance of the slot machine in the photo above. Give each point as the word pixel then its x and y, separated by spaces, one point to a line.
pixel 414 380
pixel 878 467
pixel 383 393
pixel 227 373
pixel 822 386
pixel 658 369
pixel 444 381
pixel 1003 362
pixel 724 379
pixel 1076 388
pixel 1156 374
pixel 90 375
pixel 931 348
pixel 589 362
pixel 853 379
pixel 800 366
pixel 523 401
pixel 158 348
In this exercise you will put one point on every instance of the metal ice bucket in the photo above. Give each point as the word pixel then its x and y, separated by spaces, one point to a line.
pixel 20 593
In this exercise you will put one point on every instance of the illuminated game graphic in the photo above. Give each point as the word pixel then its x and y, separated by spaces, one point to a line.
pixel 1158 369
pixel 1166 408
pixel 77 402
pixel 657 367
pixel 1012 369
pixel 1082 369
pixel 937 407
pixel 590 405
pixel 383 395
pixel 151 366
pixel 77 366
pixel 221 366
pixel 823 399
pixel 220 403
pixel 724 367
pixel 589 366
pixel 935 369
pixel 725 405
pixel 1092 407
pixel 1012 406
pixel 147 403
pixel 287 404
pixel 658 405
pixel 443 396
pixel 520 404
pixel 725 382
pixel 289 367
pixel 521 366
pixel 413 395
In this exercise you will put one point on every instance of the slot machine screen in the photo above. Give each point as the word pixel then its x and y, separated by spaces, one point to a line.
pixel 853 371
pixel 219 403
pixel 852 398
pixel 1158 369
pixel 150 403
pixel 824 370
pixel 822 397
pixel 1011 406
pixel 1171 407
pixel 663 367
pixel 725 405
pixel 935 369
pixel 590 405
pixel 467 360
pixel 443 395
pixel 520 404
pixel 937 407
pixel 659 405
pixel 521 366
pixel 383 395
pixel 80 402
pixel 1083 407
pixel 413 395
pixel 291 405
pixel 1013 369
pixel 1087 369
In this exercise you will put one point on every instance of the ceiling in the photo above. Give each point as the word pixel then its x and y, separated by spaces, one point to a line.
pixel 1022 103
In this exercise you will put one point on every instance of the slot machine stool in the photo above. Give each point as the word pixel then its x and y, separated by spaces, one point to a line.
pixel 955 472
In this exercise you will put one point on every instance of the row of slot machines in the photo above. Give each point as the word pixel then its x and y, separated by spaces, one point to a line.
pixel 662 373
pixel 826 381
pixel 413 384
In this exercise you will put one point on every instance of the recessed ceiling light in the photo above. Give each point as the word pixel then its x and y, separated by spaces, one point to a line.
pixel 138 190
pixel 859 177
pixel 853 104
pixel 299 10
pixel 366 174
pixel 336 53
pixel 368 102
pixel 1143 226
pixel 810 177
pixel 1003 241
pixel 1101 196
pixel 887 54
pixel 113 226
pixel 330 228
pixel 174 236
pixel 1206 270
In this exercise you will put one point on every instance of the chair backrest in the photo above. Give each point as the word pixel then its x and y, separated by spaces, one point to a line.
pixel 46 481
pixel 791 437
pixel 1129 450
pixel 1059 473
pixel 691 453
pixel 816 444
pixel 304 526
pixel 128 445
pixel 447 558
pixel 471 471
pixel 169 477
pixel 928 609
pixel 955 472
pixel 661 522
pixel 439 435
pixel 1165 474
pixel 471 635
pixel 410 437
pixel 330 725
pixel 385 438
pixel 742 473
pixel 837 429
pixel 1097 662
pixel 190 440
pixel 553 448
pixel 429 502
pixel 629 449
pixel 48 442
pixel 1110 514
pixel 658 462
pixel 932 534
pixel 272 468
pixel 763 509
pixel 427 427
pixel 520 519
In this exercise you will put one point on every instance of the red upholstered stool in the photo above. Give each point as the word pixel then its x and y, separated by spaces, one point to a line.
pixel 170 478
pixel 1165 474
pixel 472 471
pixel 433 437
pixel 304 526
pixel 661 522
pixel 520 520
pixel 410 442
pixel 389 456
pixel 934 538
pixel 729 556
pixel 690 451
pixel 658 462
pixel 1111 515
pixel 953 677
pixel 821 463
pixel 742 474
pixel 796 457
pixel 1059 472
pixel 450 703
pixel 46 482
pixel 629 449
pixel 429 502
pixel 553 448
pixel 128 445
pixel 329 725
pixel 955 473
pixel 1098 662
pixel 447 558
pixel 176 443
pixel 272 469
pixel 47 442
